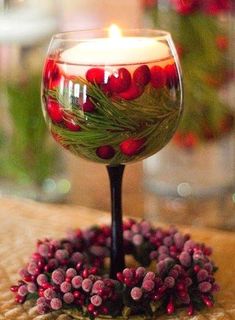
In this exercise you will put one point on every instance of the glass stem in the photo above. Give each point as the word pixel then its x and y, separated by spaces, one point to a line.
pixel 117 251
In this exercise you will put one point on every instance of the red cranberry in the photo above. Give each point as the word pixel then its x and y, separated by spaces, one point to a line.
pixel 95 76
pixel 54 111
pixel 85 273
pixel 170 308
pixel 19 299
pixel 51 74
pixel 76 294
pixel 105 152
pixel 120 277
pixel 222 42
pixel 158 77
pixel 121 82
pixel 131 146
pixel 14 288
pixel 190 140
pixel 27 278
pixel 104 310
pixel 105 88
pixel 132 93
pixel 90 308
pixel 93 270
pixel 41 292
pixel 142 75
pixel 196 268
pixel 88 106
pixel 185 7
pixel 71 125
pixel 172 78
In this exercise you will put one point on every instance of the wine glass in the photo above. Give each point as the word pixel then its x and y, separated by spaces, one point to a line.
pixel 112 100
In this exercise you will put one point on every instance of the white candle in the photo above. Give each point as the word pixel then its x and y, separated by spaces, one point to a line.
pixel 116 51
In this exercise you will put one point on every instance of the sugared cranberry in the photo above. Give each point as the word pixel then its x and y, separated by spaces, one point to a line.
pixel 132 93
pixel 95 76
pixel 120 82
pixel 54 111
pixel 142 75
pixel 132 146
pixel 105 152
pixel 158 77
pixel 88 106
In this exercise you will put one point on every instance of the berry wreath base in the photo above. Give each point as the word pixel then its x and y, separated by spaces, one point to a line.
pixel 70 275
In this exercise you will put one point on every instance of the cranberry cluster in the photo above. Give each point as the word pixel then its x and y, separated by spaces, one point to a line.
pixel 119 85
pixel 70 273
pixel 210 7
pixel 123 85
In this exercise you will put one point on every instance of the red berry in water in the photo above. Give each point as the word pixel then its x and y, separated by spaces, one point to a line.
pixel 120 82
pixel 131 147
pixel 105 152
pixel 54 111
pixel 142 75
pixel 95 75
pixel 51 74
pixel 172 78
pixel 71 125
pixel 132 93
pixel 158 77
pixel 105 88
pixel 88 106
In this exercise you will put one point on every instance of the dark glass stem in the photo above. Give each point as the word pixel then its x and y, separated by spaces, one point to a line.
pixel 117 251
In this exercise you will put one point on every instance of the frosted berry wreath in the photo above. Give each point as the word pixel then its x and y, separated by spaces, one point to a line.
pixel 70 274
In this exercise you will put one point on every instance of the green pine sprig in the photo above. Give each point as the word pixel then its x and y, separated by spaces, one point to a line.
pixel 153 117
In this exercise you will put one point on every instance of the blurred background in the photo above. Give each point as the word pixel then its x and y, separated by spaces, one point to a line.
pixel 192 180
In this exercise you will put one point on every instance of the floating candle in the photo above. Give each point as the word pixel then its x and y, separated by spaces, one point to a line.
pixel 116 50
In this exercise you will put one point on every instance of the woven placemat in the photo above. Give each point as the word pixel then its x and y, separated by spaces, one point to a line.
pixel 22 222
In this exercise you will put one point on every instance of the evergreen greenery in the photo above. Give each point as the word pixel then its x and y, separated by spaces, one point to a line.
pixel 153 117
pixel 205 68
pixel 26 156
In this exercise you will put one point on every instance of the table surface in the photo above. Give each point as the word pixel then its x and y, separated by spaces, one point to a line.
pixel 23 222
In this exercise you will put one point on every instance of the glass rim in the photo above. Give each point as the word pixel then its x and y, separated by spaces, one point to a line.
pixel 134 32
